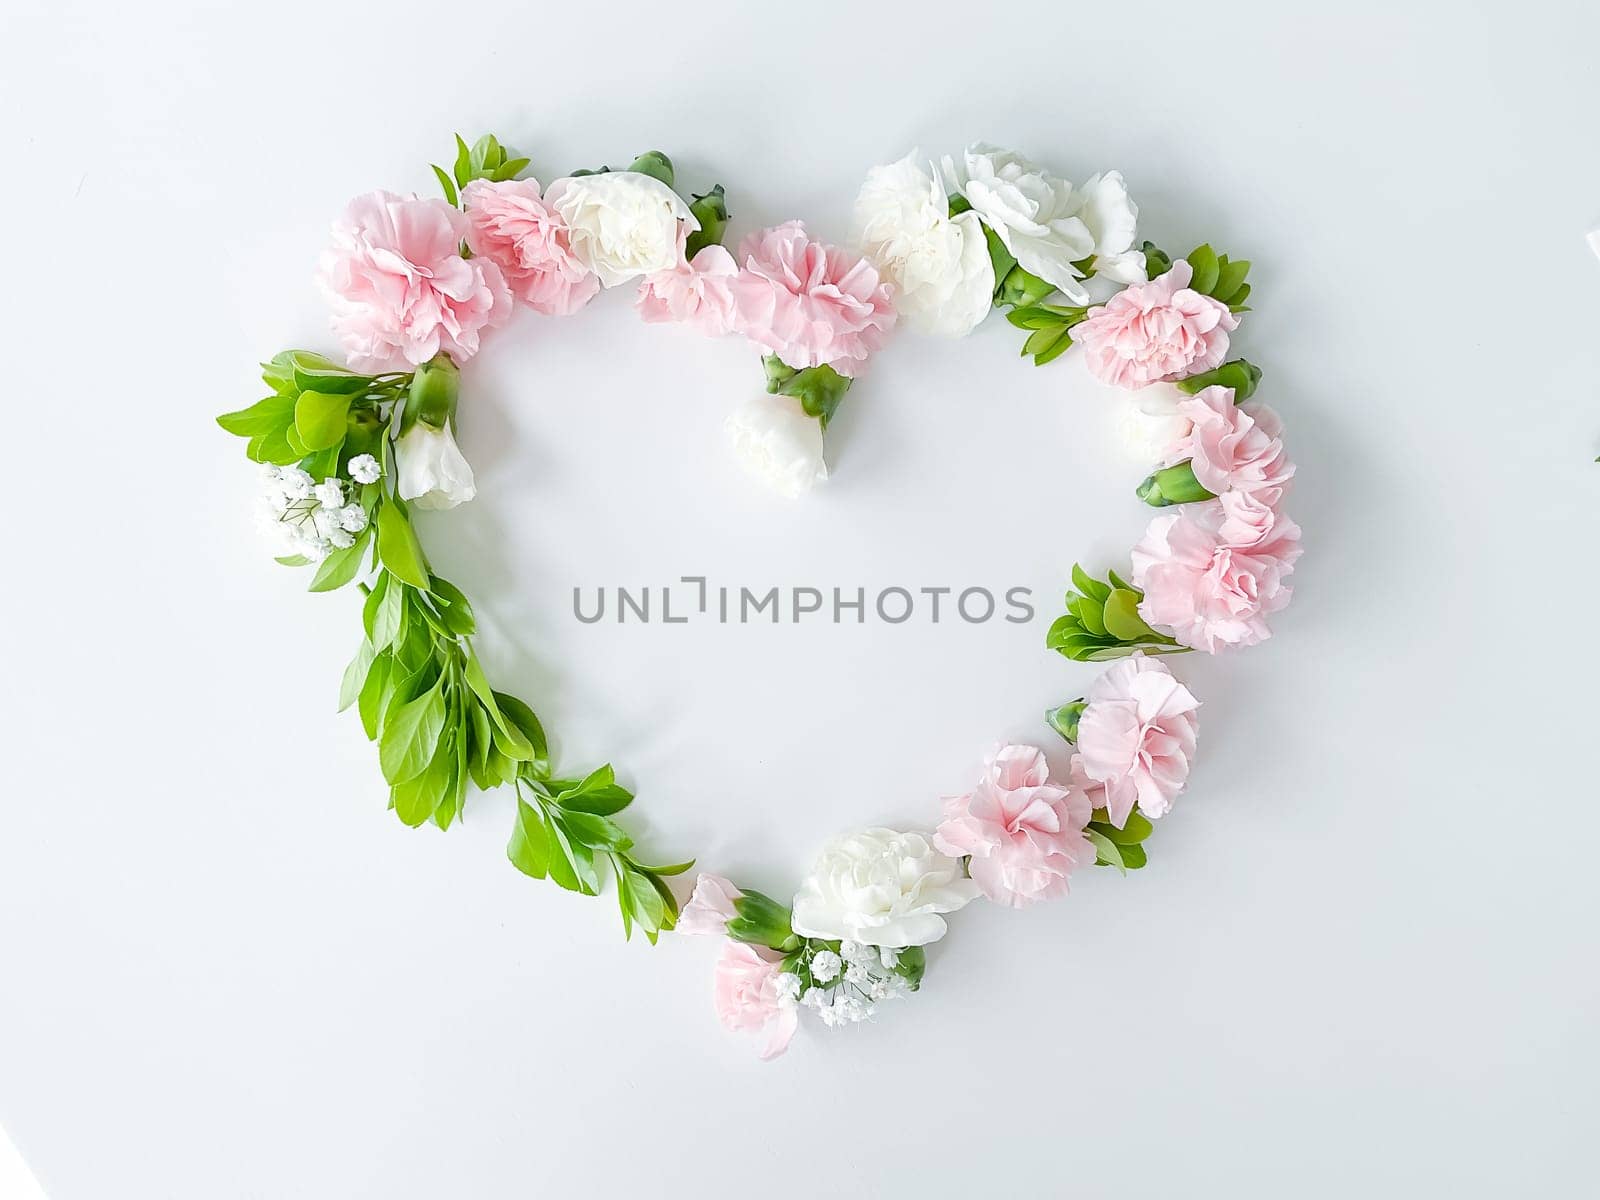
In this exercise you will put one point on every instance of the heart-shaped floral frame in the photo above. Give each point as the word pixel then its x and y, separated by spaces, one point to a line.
pixel 348 450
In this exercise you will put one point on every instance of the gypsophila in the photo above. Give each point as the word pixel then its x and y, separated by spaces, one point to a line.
pixel 788 987
pixel 365 469
pixel 825 967
pixel 329 493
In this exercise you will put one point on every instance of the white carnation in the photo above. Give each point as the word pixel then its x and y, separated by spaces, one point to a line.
pixel 882 888
pixel 939 265
pixel 621 224
pixel 1151 423
pixel 1046 223
pixel 778 443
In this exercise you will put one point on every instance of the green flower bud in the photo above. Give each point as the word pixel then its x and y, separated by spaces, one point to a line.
pixel 435 388
pixel 762 921
pixel 1064 720
pixel 912 965
pixel 363 429
pixel 711 210
pixel 1021 288
pixel 1241 375
pixel 654 164
pixel 778 373
pixel 1156 260
pixel 1173 485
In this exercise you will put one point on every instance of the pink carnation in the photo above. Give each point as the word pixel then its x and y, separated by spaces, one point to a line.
pixel 527 239
pixel 810 303
pixel 710 906
pixel 697 292
pixel 746 996
pixel 1213 572
pixel 1156 332
pixel 1024 833
pixel 1231 447
pixel 1136 737
pixel 400 290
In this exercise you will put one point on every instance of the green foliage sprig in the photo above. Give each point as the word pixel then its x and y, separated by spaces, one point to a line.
pixel 1102 622
pixel 416 681
pixel 486 158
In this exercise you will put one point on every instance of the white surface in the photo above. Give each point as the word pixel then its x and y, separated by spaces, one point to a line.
pixel 1362 960
pixel 16 1181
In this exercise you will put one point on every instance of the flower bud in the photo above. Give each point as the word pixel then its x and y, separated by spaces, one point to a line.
pixel 654 164
pixel 1173 485
pixel 1064 720
pixel 1021 289
pixel 1241 375
pixel 761 921
pixel 363 429
pixel 711 210
pixel 435 388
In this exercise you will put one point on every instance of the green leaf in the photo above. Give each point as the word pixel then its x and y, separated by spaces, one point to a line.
pixel 597 793
pixel 388 611
pixel 1133 857
pixel 1203 260
pixel 1122 618
pixel 463 164
pixel 263 417
pixel 1230 278
pixel 398 547
pixel 419 798
pixel 1088 614
pixel 1043 341
pixel 448 185
pixel 274 447
pixel 320 419
pixel 453 607
pixel 1134 830
pixel 355 675
pixel 1108 853
pixel 999 257
pixel 1089 585
pixel 412 736
pixel 529 848
pixel 519 718
pixel 509 169
pixel 340 567
pixel 373 693
pixel 596 832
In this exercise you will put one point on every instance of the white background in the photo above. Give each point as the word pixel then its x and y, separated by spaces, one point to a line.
pixel 1362 960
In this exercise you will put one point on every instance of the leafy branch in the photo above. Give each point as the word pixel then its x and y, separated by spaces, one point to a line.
pixel 416 681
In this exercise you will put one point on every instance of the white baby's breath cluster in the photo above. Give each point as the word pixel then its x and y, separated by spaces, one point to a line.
pixel 847 985
pixel 314 519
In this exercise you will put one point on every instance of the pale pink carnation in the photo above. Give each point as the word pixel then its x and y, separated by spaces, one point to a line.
pixel 710 906
pixel 527 239
pixel 1136 737
pixel 1024 833
pixel 1213 572
pixel 810 303
pixel 1156 332
pixel 1231 447
pixel 399 288
pixel 746 996
pixel 697 292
